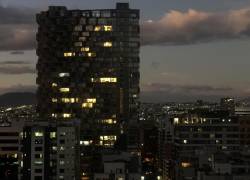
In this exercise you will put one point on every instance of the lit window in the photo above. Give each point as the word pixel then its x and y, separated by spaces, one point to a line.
pixel 185 164
pixel 54 115
pixel 98 28
pixel 86 143
pixel 108 28
pixel 54 84
pixel 185 141
pixel 63 74
pixel 176 120
pixel 66 115
pixel 52 135
pixel 38 162
pixel 107 44
pixel 106 138
pixel 108 121
pixel 69 54
pixel 106 79
pixel 54 100
pixel 39 134
pixel 85 49
pixel 91 100
pixel 64 89
pixel 91 54
pixel 87 105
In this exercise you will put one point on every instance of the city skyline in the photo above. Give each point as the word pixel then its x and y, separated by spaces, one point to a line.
pixel 176 69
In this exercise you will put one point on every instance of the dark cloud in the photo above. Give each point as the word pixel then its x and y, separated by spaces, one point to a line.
pixel 196 26
pixel 155 65
pixel 17 29
pixel 17 52
pixel 13 15
pixel 157 92
pixel 16 70
pixel 18 88
pixel 14 62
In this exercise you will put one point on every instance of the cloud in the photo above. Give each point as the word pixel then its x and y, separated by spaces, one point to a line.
pixel 156 92
pixel 176 27
pixel 16 70
pixel 17 52
pixel 17 29
pixel 18 88
pixel 194 89
pixel 14 62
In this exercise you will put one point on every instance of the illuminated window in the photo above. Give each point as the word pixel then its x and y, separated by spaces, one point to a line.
pixel 106 79
pixel 69 54
pixel 54 100
pixel 98 28
pixel 185 164
pixel 64 89
pixel 91 100
pixel 108 28
pixel 176 120
pixel 107 44
pixel 86 143
pixel 66 115
pixel 85 49
pixel 108 121
pixel 54 115
pixel 52 135
pixel 87 105
pixel 38 162
pixel 91 54
pixel 106 138
pixel 185 141
pixel 63 74
pixel 39 134
pixel 54 84
pixel 69 100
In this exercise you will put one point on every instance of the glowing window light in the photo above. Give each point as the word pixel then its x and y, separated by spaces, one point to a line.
pixel 54 115
pixel 108 121
pixel 98 28
pixel 87 105
pixel 66 115
pixel 54 100
pixel 107 138
pixel 63 74
pixel 54 85
pixel 86 143
pixel 38 134
pixel 68 54
pixel 107 44
pixel 85 49
pixel 108 28
pixel 185 164
pixel 108 79
pixel 64 89
pixel 185 141
pixel 91 54
pixel 91 100
pixel 52 135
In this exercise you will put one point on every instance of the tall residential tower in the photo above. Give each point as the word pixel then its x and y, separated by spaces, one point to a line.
pixel 88 70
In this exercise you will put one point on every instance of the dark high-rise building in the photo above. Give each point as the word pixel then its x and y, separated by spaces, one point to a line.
pixel 88 70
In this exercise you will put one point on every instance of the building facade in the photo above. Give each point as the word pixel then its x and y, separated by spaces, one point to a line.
pixel 88 69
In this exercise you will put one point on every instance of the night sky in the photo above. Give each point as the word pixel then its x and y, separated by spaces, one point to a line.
pixel 191 49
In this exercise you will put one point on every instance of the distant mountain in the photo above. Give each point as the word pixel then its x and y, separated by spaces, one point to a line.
pixel 17 98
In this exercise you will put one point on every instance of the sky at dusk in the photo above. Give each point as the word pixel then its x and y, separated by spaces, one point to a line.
pixel 190 50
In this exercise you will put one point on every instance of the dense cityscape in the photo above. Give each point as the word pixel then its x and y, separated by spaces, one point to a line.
pixel 89 123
